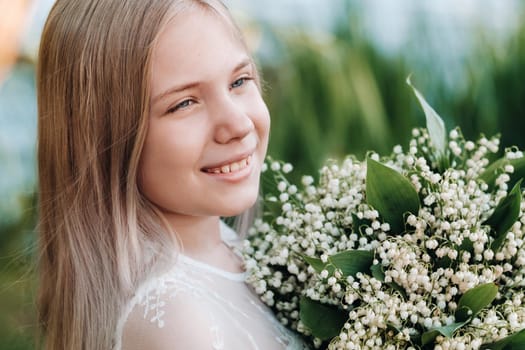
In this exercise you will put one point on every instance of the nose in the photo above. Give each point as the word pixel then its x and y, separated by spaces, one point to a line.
pixel 231 120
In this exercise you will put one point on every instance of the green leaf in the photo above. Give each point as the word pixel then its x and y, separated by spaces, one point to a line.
pixel 377 272
pixel 398 289
pixel 435 125
pixel 469 305
pixel 466 245
pixel 492 172
pixel 359 224
pixel 514 341
pixel 324 321
pixel 444 262
pixel 474 300
pixel 505 215
pixel 316 263
pixel 353 261
pixel 447 331
pixel 391 194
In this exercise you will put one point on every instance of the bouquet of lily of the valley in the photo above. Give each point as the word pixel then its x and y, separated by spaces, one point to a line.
pixel 421 249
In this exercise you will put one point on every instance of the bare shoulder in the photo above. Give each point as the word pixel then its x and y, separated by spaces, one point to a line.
pixel 177 322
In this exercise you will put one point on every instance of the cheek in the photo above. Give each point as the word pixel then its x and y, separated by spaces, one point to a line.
pixel 261 117
pixel 168 156
pixel 265 119
pixel 264 129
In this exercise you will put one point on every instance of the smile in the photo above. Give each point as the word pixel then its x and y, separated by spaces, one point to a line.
pixel 230 168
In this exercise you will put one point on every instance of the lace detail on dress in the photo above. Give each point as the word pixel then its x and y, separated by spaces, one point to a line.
pixel 155 300
pixel 198 306
pixel 166 288
pixel 153 303
pixel 218 339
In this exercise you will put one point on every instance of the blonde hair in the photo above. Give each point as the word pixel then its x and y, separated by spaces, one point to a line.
pixel 98 236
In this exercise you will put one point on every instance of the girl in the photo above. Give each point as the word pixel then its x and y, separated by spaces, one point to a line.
pixel 151 127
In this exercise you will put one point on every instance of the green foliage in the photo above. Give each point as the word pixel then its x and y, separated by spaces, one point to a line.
pixel 469 305
pixel 492 171
pixel 505 215
pixel 436 129
pixel 351 262
pixel 317 264
pixel 333 96
pixel 447 331
pixel 435 125
pixel 17 280
pixel 514 341
pixel 391 194
pixel 324 321
pixel 475 300
pixel 338 94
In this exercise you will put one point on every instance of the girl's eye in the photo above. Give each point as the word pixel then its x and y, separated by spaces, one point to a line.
pixel 182 105
pixel 239 82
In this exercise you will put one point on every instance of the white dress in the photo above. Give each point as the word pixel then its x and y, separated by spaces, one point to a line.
pixel 194 305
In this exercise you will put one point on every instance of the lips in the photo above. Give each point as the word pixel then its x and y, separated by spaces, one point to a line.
pixel 230 167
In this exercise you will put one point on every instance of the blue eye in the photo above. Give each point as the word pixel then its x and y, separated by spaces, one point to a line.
pixel 239 82
pixel 184 104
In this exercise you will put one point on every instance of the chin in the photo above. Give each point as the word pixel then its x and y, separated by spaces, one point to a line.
pixel 239 204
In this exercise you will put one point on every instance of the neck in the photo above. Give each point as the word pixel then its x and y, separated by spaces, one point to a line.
pixel 199 235
pixel 201 240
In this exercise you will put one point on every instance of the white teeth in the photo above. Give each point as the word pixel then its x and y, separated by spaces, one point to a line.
pixel 234 167
pixel 231 168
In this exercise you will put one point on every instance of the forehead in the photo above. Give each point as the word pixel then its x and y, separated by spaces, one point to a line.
pixel 195 44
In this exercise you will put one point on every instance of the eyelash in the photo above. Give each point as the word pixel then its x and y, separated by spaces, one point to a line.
pixel 188 102
pixel 243 79
pixel 183 104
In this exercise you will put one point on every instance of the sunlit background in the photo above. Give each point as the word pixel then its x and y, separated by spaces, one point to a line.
pixel 334 79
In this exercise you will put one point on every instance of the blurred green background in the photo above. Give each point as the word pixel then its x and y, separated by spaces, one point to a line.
pixel 334 81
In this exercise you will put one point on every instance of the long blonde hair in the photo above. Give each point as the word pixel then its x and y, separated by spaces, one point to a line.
pixel 93 105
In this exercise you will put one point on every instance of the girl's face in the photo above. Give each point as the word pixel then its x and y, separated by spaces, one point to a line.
pixel 208 125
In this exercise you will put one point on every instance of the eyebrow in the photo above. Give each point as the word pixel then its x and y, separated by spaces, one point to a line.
pixel 175 89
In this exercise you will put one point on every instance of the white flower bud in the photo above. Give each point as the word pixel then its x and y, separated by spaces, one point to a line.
pixel 287 167
pixel 307 180
pixel 283 197
pixel 488 254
